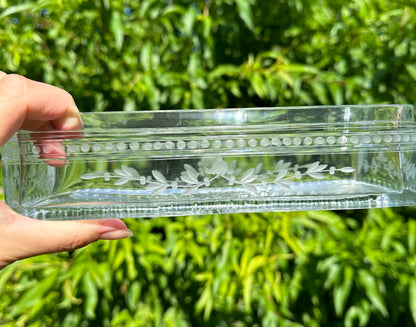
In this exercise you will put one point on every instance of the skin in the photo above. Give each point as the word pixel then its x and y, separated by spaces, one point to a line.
pixel 31 105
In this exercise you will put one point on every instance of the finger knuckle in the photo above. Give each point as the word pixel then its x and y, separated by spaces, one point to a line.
pixel 76 242
pixel 14 85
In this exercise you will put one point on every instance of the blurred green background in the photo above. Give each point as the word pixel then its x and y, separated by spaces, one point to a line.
pixel 345 268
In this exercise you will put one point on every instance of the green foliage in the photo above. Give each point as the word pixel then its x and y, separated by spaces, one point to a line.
pixel 114 55
pixel 351 268
pixel 289 269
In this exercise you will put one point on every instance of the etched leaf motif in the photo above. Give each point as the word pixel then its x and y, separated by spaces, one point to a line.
pixel 190 175
pixel 219 167
pixel 282 165
pixel 156 188
pixel 122 181
pixel 97 174
pixel 126 173
pixel 316 167
pixel 314 170
pixel 315 175
pixel 130 171
pixel 258 168
pixel 280 175
pixel 233 165
pixel 237 172
pixel 191 170
pixel 188 179
pixel 211 170
pixel 249 176
pixel 159 176
pixel 120 173
pixel 347 170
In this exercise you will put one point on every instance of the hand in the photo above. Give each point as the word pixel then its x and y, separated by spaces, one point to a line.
pixel 26 104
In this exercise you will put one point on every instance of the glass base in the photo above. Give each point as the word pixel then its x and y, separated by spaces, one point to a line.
pixel 316 195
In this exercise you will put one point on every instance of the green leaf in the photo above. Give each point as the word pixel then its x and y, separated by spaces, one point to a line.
pixel 188 20
pixel 205 302
pixel 197 98
pixel 411 69
pixel 320 92
pixel 368 282
pixel 194 64
pixel 133 294
pixel 244 10
pixel 245 259
pixel 328 218
pixel 298 68
pixel 173 9
pixel 411 236
pixel 5 275
pixel 129 258
pixel 255 263
pixel 224 70
pixel 117 29
pixel 146 54
pixel 360 312
pixel 258 85
pixel 412 298
pixel 34 294
pixel 247 291
pixel 334 275
pixel 129 104
pixel 336 93
pixel 342 291
pixel 388 235
pixel 20 8
pixel 91 295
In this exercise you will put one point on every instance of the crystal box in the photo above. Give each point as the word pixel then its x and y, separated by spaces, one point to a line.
pixel 192 162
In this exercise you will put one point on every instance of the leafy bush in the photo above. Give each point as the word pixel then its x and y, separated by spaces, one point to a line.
pixel 207 54
pixel 352 268
pixel 289 269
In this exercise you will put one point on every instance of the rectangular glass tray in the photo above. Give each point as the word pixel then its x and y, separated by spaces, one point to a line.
pixel 192 162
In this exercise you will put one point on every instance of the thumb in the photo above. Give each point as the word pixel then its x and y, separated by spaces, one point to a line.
pixel 23 237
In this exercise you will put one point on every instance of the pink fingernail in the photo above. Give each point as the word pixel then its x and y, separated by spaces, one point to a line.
pixel 72 123
pixel 116 234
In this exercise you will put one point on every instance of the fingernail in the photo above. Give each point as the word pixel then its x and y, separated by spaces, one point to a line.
pixel 71 123
pixel 116 234
pixel 70 120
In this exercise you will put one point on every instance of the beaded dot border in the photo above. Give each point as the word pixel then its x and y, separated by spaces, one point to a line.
pixel 217 144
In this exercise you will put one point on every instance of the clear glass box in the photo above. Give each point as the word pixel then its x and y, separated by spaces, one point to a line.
pixel 192 162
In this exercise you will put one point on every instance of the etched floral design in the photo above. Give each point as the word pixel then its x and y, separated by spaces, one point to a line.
pixel 380 163
pixel 217 171
pixel 409 169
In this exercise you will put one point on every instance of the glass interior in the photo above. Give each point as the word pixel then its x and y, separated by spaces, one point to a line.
pixel 169 163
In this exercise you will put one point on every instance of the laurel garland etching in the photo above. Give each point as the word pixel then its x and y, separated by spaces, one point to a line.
pixel 211 171
pixel 381 163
